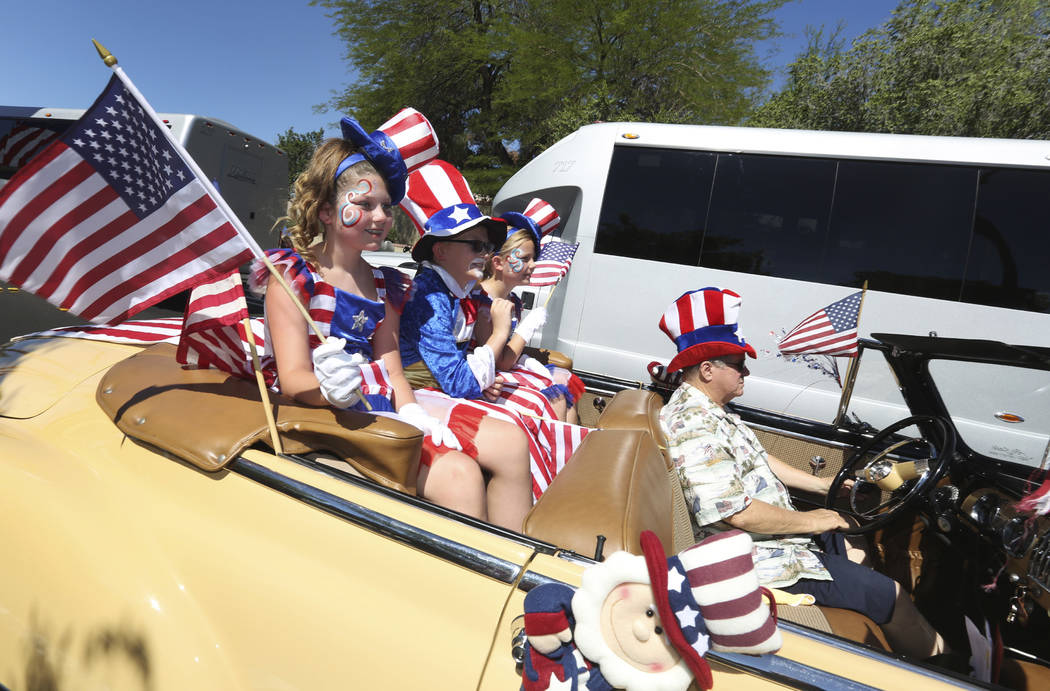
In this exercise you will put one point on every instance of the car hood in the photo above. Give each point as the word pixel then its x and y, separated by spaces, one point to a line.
pixel 37 372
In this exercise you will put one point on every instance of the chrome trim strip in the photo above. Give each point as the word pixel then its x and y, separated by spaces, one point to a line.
pixel 871 653
pixel 788 672
pixel 443 548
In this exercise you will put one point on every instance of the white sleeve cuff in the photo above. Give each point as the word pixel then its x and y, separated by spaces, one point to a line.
pixel 483 364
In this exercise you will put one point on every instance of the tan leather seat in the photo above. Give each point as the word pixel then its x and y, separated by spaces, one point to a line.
pixel 207 417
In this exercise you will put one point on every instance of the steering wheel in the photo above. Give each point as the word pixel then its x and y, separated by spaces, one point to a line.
pixel 904 481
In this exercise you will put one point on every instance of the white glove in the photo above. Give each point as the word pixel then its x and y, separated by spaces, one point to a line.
pixel 413 414
pixel 531 323
pixel 534 365
pixel 482 363
pixel 338 372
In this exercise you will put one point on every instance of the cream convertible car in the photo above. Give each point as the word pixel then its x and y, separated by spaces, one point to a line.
pixel 153 541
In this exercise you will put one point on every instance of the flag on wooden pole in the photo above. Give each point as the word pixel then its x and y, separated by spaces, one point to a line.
pixel 109 219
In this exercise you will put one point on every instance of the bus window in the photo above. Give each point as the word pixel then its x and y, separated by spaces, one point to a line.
pixel 654 205
pixel 769 215
pixel 1011 241
pixel 905 228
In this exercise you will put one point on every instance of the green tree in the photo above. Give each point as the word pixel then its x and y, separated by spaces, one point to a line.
pixel 949 67
pixel 300 147
pixel 500 81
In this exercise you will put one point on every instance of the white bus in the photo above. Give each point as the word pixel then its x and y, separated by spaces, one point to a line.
pixel 251 174
pixel 951 235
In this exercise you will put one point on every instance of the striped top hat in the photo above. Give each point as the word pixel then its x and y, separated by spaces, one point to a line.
pixel 400 145
pixel 441 206
pixel 703 324
pixel 540 219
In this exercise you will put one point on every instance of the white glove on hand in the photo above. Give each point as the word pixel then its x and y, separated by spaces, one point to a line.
pixel 338 372
pixel 534 365
pixel 482 363
pixel 531 323
pixel 413 414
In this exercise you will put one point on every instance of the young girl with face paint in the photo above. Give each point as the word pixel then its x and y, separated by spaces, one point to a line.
pixel 342 207
pixel 505 270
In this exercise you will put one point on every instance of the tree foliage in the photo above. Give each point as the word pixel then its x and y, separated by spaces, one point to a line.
pixel 947 67
pixel 501 80
pixel 299 146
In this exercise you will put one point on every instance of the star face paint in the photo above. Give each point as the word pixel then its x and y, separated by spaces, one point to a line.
pixel 517 264
pixel 349 213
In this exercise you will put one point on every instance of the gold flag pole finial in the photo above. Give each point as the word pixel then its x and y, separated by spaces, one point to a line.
pixel 106 56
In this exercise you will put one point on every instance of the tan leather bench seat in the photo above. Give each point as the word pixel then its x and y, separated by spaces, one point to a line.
pixel 207 417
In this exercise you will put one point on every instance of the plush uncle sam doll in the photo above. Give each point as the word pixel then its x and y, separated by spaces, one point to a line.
pixel 644 623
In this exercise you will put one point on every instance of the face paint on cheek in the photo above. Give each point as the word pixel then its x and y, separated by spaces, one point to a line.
pixel 517 265
pixel 349 214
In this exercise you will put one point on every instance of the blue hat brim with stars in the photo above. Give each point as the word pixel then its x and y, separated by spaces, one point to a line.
pixel 455 220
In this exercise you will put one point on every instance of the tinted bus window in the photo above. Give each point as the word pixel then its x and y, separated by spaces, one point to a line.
pixel 769 215
pixel 654 205
pixel 1011 241
pixel 904 228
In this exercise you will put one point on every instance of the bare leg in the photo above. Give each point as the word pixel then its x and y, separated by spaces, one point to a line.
pixel 559 406
pixel 454 480
pixel 503 452
pixel 909 633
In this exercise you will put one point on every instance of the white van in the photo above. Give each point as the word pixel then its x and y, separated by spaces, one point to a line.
pixel 251 175
pixel 950 234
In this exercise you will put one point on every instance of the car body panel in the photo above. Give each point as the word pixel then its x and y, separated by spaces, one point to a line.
pixel 138 570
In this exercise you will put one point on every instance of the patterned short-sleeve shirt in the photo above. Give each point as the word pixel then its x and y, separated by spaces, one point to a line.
pixel 723 467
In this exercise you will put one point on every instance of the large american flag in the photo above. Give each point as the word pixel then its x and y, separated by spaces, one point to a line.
pixel 553 263
pixel 108 219
pixel 828 331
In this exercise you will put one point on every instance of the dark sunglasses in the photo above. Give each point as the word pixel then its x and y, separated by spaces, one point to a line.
pixel 738 366
pixel 479 246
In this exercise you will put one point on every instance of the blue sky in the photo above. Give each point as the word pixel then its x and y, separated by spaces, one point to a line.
pixel 259 65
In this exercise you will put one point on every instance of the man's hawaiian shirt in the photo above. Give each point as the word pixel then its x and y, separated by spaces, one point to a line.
pixel 722 467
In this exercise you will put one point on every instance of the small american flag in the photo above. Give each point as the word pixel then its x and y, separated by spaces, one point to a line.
pixel 213 333
pixel 23 142
pixel 828 331
pixel 108 219
pixel 553 263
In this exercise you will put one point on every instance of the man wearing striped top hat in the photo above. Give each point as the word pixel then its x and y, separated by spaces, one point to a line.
pixel 730 481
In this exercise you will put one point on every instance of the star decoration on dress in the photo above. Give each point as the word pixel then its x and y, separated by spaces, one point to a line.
pixel 459 214
pixel 359 321
pixel 675 579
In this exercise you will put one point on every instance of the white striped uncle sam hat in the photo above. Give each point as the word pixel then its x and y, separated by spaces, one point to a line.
pixel 441 205
pixel 703 324
pixel 540 219
pixel 400 145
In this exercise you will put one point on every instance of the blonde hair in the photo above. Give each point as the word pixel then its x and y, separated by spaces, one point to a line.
pixel 514 240
pixel 315 187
